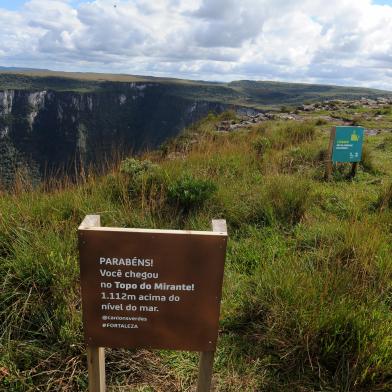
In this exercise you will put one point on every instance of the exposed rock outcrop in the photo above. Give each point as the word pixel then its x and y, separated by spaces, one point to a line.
pixel 55 128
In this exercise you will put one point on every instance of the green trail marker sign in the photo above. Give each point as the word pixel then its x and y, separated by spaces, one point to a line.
pixel 347 146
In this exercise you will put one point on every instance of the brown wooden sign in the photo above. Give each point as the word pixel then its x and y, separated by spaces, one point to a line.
pixel 151 288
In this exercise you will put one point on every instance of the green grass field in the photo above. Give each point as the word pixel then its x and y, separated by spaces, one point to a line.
pixel 307 291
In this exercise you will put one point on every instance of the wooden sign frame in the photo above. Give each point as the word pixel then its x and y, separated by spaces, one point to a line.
pixel 96 355
pixel 329 161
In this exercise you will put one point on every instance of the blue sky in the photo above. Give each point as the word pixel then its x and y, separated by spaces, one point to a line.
pixel 16 4
pixel 313 41
pixel 11 4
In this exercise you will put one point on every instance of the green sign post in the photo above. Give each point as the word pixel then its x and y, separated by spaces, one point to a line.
pixel 345 145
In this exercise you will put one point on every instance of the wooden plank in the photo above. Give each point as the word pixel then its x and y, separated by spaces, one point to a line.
pixel 219 225
pixel 206 363
pixel 95 355
pixel 329 164
pixel 152 231
pixel 96 369
pixel 90 221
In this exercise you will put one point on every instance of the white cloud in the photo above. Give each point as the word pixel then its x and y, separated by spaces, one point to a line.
pixel 339 41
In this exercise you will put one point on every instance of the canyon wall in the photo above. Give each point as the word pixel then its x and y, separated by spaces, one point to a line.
pixel 49 130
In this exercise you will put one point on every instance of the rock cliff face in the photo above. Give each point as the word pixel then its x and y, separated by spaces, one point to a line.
pixel 51 129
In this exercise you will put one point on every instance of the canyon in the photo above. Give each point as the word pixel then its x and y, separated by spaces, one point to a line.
pixel 46 131
pixel 53 122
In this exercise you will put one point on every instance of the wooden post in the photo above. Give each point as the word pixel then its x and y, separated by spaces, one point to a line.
pixel 206 365
pixel 329 165
pixel 206 362
pixel 353 171
pixel 95 355
pixel 96 369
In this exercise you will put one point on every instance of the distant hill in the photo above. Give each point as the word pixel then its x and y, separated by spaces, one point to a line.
pixel 255 94
pixel 276 93
pixel 23 69
pixel 49 120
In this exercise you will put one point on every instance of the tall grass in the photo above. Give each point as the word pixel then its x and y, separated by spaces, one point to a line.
pixel 307 292
pixel 385 198
pixel 284 134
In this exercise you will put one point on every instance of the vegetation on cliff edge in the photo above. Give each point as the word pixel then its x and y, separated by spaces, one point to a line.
pixel 307 291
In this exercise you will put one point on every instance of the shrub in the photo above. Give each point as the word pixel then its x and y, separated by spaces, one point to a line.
pixel 189 192
pixel 134 167
pixel 261 145
pixel 145 179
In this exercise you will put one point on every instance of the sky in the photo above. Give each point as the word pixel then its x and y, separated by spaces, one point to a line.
pixel 343 42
